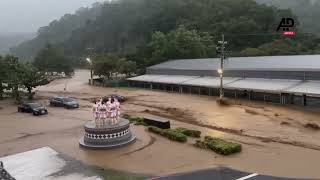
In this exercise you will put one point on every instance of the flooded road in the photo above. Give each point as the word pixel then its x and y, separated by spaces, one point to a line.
pixel 274 138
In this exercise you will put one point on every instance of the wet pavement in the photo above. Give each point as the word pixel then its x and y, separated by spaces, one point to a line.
pixel 46 164
pixel 221 173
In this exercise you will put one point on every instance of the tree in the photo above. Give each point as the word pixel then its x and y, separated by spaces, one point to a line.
pixel 50 59
pixel 32 78
pixel 253 52
pixel 280 47
pixel 14 75
pixel 182 43
pixel 104 65
pixel 120 27
pixel 57 31
pixel 126 67
pixel 3 75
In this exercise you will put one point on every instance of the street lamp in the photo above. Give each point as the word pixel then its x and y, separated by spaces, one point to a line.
pixel 91 70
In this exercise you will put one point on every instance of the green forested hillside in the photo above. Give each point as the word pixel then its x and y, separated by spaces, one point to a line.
pixel 57 31
pixel 149 31
pixel 124 25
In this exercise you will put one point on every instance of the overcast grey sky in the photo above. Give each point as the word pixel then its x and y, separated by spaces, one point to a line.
pixel 29 15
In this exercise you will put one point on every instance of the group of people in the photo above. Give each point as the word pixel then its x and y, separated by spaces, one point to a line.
pixel 106 111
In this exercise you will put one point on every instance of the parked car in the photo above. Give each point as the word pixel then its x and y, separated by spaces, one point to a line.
pixel 34 108
pixel 64 102
pixel 120 98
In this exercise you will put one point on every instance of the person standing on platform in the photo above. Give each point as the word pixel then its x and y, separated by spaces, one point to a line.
pixel 113 111
pixel 108 108
pixel 95 112
pixel 117 105
pixel 103 113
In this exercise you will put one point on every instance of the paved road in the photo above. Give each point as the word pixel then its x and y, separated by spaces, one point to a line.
pixel 47 164
pixel 221 173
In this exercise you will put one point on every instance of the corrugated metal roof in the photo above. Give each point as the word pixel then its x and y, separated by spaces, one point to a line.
pixel 284 63
pixel 308 87
pixel 175 79
pixel 207 81
pixel 255 84
pixel 163 78
pixel 146 78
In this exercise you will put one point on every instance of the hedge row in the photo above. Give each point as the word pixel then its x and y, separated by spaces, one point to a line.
pixel 135 120
pixel 169 133
pixel 218 145
pixel 179 134
pixel 189 132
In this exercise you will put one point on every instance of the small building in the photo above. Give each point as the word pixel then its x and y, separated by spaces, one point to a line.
pixel 281 79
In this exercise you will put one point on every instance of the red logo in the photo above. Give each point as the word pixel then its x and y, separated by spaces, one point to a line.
pixel 289 33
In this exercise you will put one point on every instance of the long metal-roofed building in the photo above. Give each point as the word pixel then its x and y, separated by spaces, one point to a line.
pixel 282 79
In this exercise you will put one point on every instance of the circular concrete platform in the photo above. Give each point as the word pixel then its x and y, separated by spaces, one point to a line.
pixel 108 136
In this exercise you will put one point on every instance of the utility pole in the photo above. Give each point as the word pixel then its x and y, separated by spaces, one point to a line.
pixel 91 70
pixel 89 60
pixel 221 51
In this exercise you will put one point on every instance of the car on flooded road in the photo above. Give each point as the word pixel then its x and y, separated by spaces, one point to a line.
pixel 120 98
pixel 66 102
pixel 34 108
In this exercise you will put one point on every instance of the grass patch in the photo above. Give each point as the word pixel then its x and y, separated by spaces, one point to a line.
pixel 313 126
pixel 189 132
pixel 169 133
pixel 218 145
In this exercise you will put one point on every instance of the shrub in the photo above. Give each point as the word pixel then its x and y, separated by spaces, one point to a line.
pixel 135 120
pixel 218 145
pixel 142 123
pixel 174 135
pixel 189 132
pixel 155 130
pixel 126 116
pixel 222 146
pixel 169 133
pixel 200 144
pixel 138 121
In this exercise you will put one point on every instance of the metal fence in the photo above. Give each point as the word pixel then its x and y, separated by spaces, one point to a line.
pixel 280 98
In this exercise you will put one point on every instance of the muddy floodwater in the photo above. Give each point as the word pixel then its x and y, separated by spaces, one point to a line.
pixel 276 139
